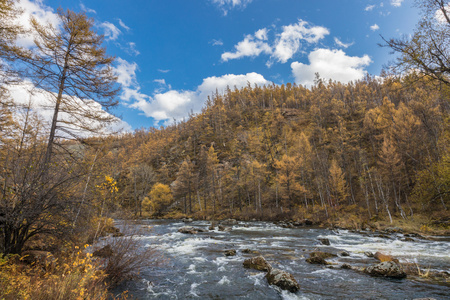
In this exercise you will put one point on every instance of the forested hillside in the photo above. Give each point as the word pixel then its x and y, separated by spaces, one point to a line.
pixel 376 148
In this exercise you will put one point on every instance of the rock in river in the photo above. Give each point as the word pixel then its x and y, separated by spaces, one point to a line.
pixel 224 228
pixel 324 241
pixel 230 252
pixel 385 257
pixel 190 230
pixel 283 280
pixel 257 263
pixel 229 222
pixel 318 257
pixel 386 269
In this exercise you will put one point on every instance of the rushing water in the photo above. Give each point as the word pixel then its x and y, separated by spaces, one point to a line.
pixel 195 267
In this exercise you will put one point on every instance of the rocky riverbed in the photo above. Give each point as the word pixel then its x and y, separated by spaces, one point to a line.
pixel 209 264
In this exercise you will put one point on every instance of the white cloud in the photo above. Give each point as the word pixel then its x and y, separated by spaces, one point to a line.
pixel 251 46
pixel 121 23
pixel 374 27
pixel 163 71
pixel 160 81
pixel 132 49
pixel 396 3
pixel 111 31
pixel 87 9
pixel 164 107
pixel 342 44
pixel 369 7
pixel 42 103
pixel 330 64
pixel 217 42
pixel 42 13
pixel 283 48
pixel 227 5
pixel 289 41
pixel 126 72
pixel 211 84
pixel 261 34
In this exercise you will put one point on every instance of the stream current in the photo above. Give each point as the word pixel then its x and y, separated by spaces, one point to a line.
pixel 195 267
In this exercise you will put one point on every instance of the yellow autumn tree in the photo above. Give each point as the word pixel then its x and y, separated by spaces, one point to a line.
pixel 159 197
pixel 338 184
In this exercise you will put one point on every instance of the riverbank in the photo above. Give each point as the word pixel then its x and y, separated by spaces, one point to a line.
pixel 424 225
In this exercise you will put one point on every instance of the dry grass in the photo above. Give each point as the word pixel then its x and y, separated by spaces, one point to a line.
pixel 74 275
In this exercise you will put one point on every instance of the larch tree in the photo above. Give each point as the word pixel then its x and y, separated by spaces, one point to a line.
pixel 71 66
pixel 9 30
pixel 427 50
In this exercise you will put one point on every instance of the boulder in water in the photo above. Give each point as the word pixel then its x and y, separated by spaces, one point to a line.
pixel 250 251
pixel 212 226
pixel 346 266
pixel 318 257
pixel 283 280
pixel 224 228
pixel 188 230
pixel 229 222
pixel 386 269
pixel 324 241
pixel 344 253
pixel 187 220
pixel 368 254
pixel 230 252
pixel 385 257
pixel 258 263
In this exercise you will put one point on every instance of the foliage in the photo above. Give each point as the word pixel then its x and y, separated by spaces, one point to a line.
pixel 159 197
pixel 426 51
pixel 362 148
pixel 72 67
pixel 73 276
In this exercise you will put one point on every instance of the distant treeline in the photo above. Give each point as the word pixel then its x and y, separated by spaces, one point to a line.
pixel 376 147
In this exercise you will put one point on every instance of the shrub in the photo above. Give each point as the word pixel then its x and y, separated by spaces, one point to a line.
pixel 128 257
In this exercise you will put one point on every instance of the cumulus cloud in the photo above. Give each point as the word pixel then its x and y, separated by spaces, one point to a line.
pixel 226 5
pixel 173 104
pixel 252 46
pixel 342 44
pixel 396 3
pixel 126 72
pixel 285 45
pixel 26 94
pixel 330 64
pixel 369 7
pixel 289 41
pixel 110 30
pixel 42 13
pixel 374 27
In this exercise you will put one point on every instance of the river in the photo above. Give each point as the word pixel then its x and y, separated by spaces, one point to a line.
pixel 195 267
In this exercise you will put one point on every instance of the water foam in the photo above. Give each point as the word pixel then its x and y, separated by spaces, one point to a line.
pixel 224 280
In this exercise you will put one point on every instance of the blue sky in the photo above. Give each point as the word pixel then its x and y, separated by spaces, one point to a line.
pixel 172 54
